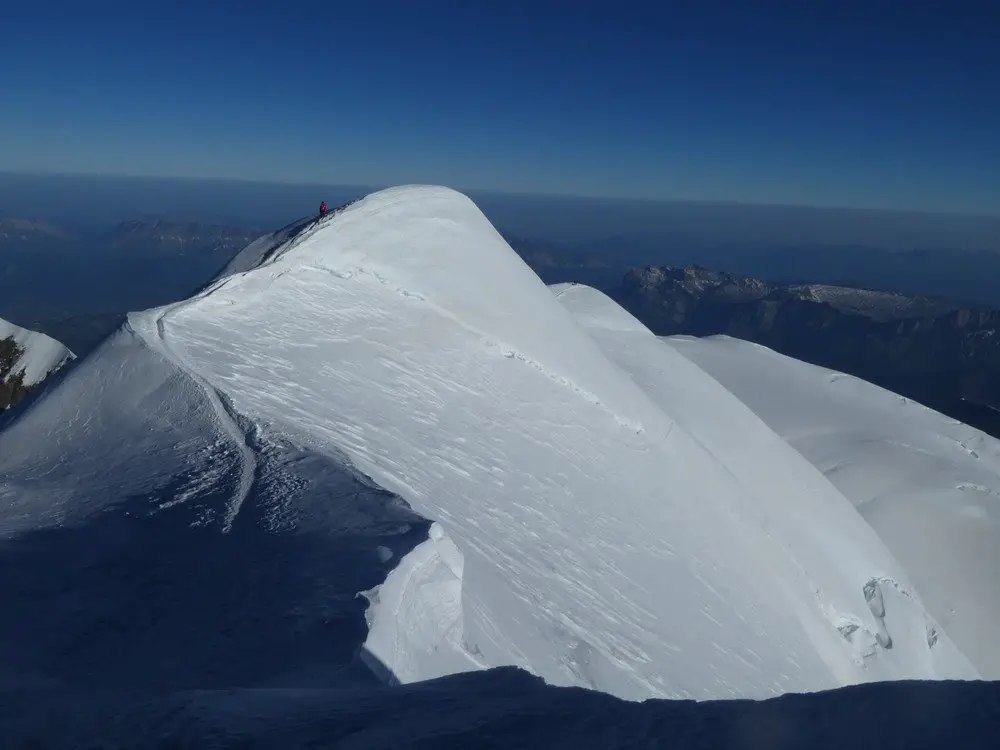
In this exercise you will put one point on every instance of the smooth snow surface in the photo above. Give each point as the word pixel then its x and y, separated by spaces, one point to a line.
pixel 40 354
pixel 581 503
pixel 930 486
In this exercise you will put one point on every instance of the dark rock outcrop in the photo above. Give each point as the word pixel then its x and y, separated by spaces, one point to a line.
pixel 12 388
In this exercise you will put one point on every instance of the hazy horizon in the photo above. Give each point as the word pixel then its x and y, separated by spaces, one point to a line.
pixel 84 201
pixel 472 189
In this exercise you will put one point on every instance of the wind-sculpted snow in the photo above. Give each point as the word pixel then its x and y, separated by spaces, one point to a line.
pixel 930 486
pixel 384 418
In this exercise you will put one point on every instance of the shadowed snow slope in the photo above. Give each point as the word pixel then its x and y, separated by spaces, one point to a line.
pixel 930 486
pixel 586 524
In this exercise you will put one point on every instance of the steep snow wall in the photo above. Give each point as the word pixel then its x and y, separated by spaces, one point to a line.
pixel 930 486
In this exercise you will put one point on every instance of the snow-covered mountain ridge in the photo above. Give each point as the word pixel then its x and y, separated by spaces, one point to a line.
pixel 26 359
pixel 602 512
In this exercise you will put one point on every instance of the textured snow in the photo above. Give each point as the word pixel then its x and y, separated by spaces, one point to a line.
pixel 930 486
pixel 590 511
pixel 40 355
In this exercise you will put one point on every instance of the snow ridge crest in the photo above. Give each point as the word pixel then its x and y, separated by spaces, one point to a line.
pixel 433 246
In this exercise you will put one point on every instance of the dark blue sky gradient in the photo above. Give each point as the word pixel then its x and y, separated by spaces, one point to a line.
pixel 868 104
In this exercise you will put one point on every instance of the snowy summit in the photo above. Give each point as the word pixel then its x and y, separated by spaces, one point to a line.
pixel 26 359
pixel 381 435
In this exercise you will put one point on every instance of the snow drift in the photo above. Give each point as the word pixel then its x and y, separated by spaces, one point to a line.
pixel 597 517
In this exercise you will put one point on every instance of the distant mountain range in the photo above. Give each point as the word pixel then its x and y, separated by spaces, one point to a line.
pixel 140 235
pixel 15 231
pixel 967 276
pixel 181 236
pixel 942 354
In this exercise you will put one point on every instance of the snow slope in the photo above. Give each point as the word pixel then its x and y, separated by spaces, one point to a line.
pixel 401 350
pixel 930 486
pixel 836 551
pixel 38 356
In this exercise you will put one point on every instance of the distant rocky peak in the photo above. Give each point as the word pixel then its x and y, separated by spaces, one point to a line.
pixel 650 277
pixel 696 281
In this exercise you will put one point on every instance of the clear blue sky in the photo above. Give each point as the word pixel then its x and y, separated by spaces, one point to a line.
pixel 870 104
